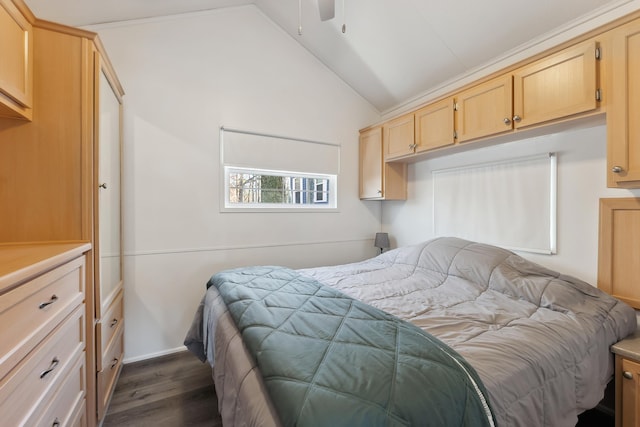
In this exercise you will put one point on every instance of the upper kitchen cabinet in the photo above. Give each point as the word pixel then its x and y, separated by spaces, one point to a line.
pixel 16 62
pixel 399 140
pixel 434 126
pixel 484 109
pixel 623 109
pixel 379 180
pixel 558 86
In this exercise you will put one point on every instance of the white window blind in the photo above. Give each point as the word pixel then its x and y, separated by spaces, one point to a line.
pixel 511 203
pixel 270 152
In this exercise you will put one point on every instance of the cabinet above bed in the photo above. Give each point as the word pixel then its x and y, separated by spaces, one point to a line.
pixel 590 75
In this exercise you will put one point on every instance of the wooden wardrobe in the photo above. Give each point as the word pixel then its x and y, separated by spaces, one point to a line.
pixel 60 183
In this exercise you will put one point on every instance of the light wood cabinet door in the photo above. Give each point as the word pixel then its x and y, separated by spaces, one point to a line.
pixel 556 87
pixel 434 126
pixel 627 414
pixel 379 180
pixel 618 252
pixel 108 166
pixel 399 137
pixel 108 272
pixel 485 109
pixel 371 164
pixel 16 65
pixel 623 111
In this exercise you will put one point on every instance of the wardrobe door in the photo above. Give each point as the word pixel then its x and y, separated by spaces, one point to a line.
pixel 109 261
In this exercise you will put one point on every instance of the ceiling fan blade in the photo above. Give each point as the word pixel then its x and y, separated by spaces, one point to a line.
pixel 327 9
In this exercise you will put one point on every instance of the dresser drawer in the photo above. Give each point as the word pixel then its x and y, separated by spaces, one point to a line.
pixel 63 409
pixel 107 327
pixel 107 377
pixel 35 308
pixel 27 389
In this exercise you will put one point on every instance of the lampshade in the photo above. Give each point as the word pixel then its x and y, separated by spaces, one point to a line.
pixel 382 241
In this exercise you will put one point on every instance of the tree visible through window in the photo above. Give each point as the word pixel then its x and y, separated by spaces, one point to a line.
pixel 259 188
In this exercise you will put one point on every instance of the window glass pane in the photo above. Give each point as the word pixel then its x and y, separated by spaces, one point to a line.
pixel 253 188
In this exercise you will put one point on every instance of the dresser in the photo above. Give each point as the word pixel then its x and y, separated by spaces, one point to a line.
pixel 60 175
pixel 43 352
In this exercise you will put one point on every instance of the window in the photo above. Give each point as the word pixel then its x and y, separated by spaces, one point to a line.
pixel 255 188
pixel 271 172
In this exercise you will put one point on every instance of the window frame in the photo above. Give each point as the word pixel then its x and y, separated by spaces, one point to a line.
pixel 328 205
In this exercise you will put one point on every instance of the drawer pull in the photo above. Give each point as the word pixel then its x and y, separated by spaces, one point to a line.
pixel 114 363
pixel 53 365
pixel 114 322
pixel 628 375
pixel 53 299
pixel 56 423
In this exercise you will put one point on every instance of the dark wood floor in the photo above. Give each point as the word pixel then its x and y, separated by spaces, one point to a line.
pixel 170 391
pixel 177 390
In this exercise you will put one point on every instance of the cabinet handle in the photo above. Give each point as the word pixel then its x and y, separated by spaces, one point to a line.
pixel 53 365
pixel 628 375
pixel 379 191
pixel 616 169
pixel 507 121
pixel 56 423
pixel 103 185
pixel 53 299
pixel 114 362
pixel 517 118
pixel 114 322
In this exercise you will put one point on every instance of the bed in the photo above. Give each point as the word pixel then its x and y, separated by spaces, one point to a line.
pixel 529 346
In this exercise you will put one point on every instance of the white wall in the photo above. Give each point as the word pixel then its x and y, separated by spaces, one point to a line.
pixel 184 77
pixel 581 182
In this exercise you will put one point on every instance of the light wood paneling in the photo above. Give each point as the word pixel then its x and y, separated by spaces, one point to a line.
pixel 41 162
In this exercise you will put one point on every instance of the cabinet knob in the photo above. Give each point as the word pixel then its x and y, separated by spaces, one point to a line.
pixel 103 185
pixel 628 375
pixel 517 118
pixel 379 191
pixel 507 121
pixel 616 169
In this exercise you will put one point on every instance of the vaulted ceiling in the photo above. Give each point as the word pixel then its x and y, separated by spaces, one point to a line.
pixel 392 50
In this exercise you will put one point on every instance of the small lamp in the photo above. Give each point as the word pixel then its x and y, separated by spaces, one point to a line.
pixel 382 241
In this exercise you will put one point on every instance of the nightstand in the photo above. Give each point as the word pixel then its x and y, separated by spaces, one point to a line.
pixel 627 377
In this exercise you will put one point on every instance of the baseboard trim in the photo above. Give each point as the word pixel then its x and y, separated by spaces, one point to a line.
pixel 126 361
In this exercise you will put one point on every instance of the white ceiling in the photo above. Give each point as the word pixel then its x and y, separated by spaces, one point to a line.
pixel 393 50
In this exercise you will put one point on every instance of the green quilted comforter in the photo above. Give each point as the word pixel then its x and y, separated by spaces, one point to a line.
pixel 330 360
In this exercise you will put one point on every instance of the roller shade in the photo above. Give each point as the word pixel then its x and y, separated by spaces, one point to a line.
pixel 510 203
pixel 271 152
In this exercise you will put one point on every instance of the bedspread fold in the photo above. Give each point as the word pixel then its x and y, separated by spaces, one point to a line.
pixel 330 360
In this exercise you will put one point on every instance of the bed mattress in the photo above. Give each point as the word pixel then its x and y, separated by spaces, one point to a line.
pixel 539 340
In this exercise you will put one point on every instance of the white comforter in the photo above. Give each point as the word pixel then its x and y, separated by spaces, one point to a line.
pixel 539 340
